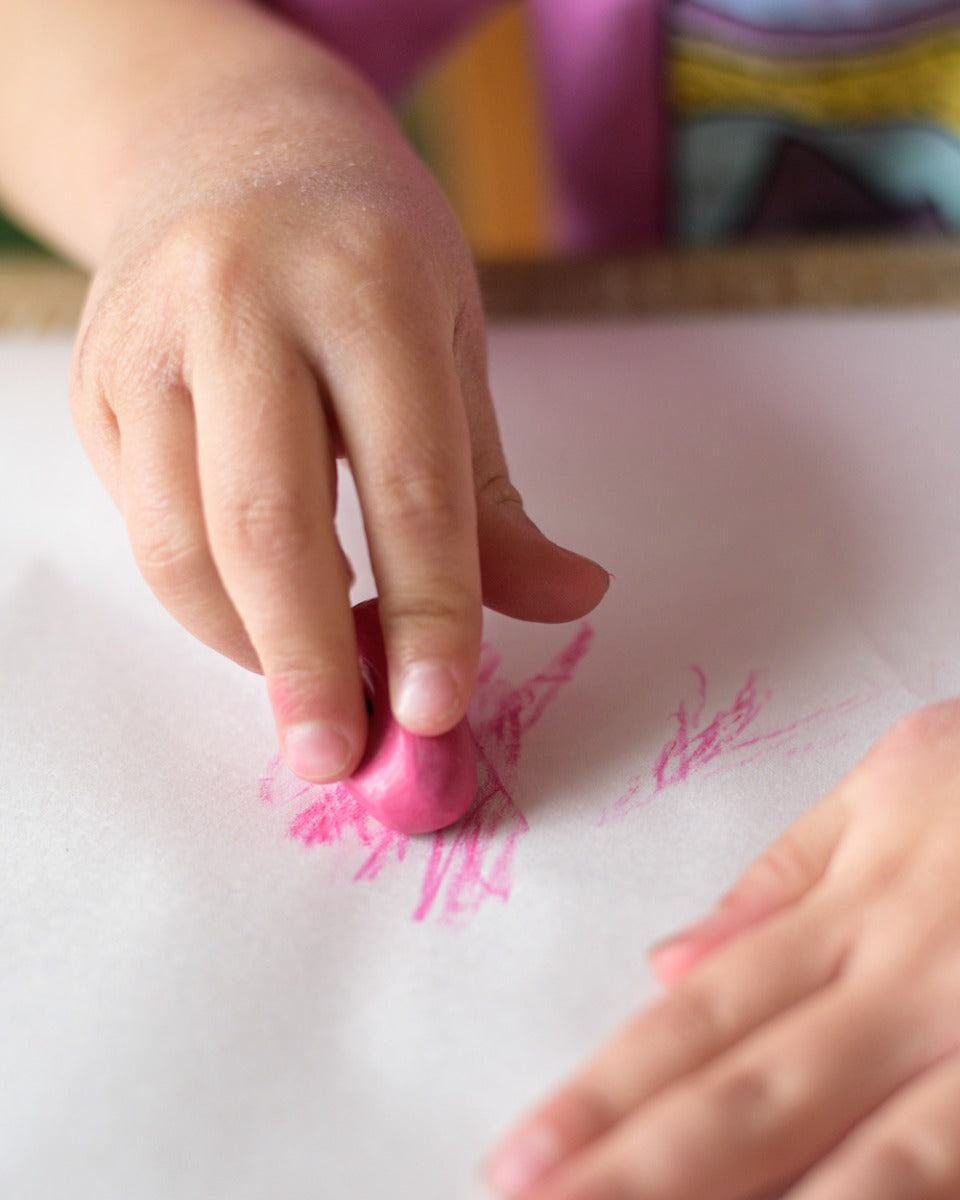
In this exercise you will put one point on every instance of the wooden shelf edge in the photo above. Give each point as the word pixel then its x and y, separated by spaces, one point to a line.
pixel 758 277
pixel 39 295
pixel 42 295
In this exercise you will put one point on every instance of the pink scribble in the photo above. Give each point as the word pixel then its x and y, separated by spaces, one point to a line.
pixel 730 734
pixel 473 861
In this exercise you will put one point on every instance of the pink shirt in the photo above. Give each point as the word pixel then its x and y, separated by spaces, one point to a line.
pixel 599 63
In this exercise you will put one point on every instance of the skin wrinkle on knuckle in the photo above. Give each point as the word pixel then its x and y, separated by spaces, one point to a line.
pixel 90 410
pixel 922 1025
pixel 388 301
pixel 423 503
pixel 131 341
pixel 264 528
pixel 784 869
pixel 100 378
pixel 498 490
pixel 413 619
pixel 306 683
pixel 376 317
pixel 755 1099
pixel 129 374
pixel 697 1015
pixel 209 284
pixel 375 267
pixel 918 1163
pixel 583 1111
pixel 376 227
pixel 170 563
pixel 198 251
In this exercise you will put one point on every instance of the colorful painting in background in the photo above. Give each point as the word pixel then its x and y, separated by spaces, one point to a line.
pixel 475 118
pixel 796 116
pixel 785 117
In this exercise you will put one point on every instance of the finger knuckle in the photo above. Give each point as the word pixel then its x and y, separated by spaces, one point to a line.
pixel 697 1015
pixel 375 266
pixel 583 1111
pixel 124 364
pixel 498 489
pixel 371 320
pixel 412 620
pixel 265 527
pixel 424 503
pixel 753 1097
pixel 295 689
pixel 104 370
pixel 203 271
pixel 170 561
pixel 916 1163
pixel 785 868
pixel 201 253
pixel 392 240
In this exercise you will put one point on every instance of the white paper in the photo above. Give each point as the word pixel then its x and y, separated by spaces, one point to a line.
pixel 197 1002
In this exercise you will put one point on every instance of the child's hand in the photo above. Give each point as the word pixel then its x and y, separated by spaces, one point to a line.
pixel 278 291
pixel 811 1039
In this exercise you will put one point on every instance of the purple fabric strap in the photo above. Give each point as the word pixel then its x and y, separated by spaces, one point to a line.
pixel 389 41
pixel 601 63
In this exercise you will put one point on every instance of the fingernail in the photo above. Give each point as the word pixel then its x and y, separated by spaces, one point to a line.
pixel 315 750
pixel 673 957
pixel 669 958
pixel 428 695
pixel 524 1161
pixel 668 943
pixel 678 944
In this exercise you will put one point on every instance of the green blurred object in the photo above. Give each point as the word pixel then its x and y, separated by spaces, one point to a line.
pixel 13 238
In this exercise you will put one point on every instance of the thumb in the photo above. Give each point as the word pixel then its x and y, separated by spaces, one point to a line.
pixel 780 877
pixel 524 574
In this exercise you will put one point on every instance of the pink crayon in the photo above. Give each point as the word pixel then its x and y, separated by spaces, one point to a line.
pixel 410 783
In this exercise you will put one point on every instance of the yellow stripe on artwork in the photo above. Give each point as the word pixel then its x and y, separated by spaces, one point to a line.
pixel 919 81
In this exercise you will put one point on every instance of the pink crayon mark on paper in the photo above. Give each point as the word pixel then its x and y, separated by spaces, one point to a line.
pixel 472 862
pixel 731 734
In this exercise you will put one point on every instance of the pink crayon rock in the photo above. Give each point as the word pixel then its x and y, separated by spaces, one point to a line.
pixel 410 783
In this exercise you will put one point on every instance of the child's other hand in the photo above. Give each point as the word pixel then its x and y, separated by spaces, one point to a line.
pixel 269 303
pixel 810 1041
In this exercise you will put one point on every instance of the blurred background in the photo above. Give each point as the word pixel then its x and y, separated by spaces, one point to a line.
pixel 474 119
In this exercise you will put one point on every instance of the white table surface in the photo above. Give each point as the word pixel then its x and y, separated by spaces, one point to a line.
pixel 202 997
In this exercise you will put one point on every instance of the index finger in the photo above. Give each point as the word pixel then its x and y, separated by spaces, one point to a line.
pixel 402 421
